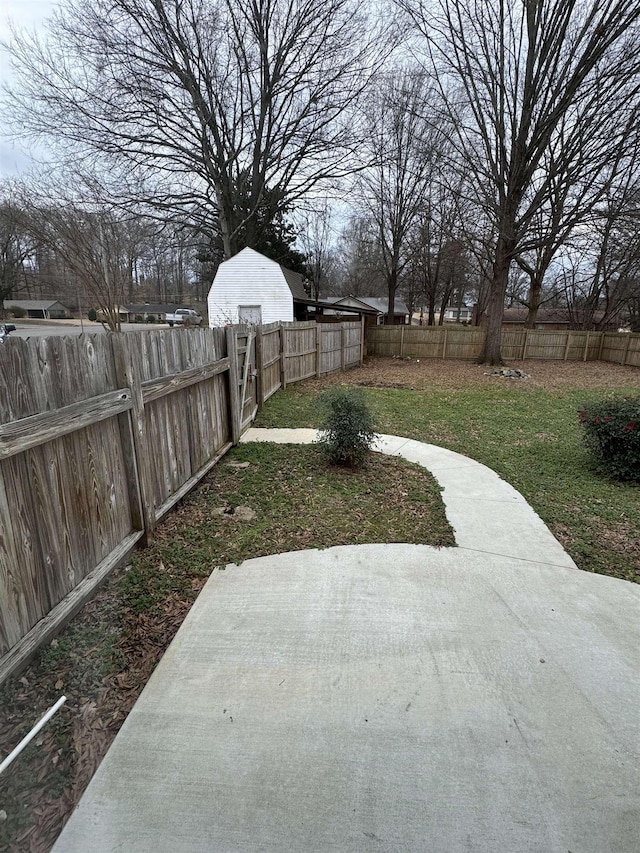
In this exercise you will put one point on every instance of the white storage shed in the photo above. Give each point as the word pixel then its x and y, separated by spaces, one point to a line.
pixel 250 288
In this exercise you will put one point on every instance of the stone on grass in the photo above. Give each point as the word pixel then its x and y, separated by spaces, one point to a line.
pixel 509 373
pixel 238 513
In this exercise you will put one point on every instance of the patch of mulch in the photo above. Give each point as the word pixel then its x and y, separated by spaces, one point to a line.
pixel 419 374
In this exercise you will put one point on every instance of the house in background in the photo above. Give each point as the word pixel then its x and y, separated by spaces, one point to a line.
pixel 39 309
pixel 376 306
pixel 458 315
pixel 250 288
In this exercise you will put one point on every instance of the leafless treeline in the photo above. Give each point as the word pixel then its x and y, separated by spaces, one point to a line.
pixel 484 151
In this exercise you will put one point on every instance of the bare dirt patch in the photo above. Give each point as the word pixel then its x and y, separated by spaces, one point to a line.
pixel 418 375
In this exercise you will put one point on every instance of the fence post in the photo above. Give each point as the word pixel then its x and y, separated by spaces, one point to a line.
pixel 566 349
pixel 362 330
pixel 601 346
pixel 259 367
pixel 524 345
pixel 234 390
pixel 318 349
pixel 444 343
pixel 626 349
pixel 283 361
pixel 342 346
pixel 401 341
pixel 134 444
pixel 586 347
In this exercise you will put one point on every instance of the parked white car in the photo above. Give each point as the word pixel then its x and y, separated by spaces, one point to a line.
pixel 184 317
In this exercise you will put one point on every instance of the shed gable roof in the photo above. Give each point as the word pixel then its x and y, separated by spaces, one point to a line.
pixel 293 280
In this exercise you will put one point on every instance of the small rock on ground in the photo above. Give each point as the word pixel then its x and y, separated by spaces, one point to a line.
pixel 239 513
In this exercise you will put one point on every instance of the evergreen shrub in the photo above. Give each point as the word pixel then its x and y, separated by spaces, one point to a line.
pixel 611 430
pixel 347 432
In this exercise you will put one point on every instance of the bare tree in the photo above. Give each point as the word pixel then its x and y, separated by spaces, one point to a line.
pixel 394 187
pixel 16 247
pixel 316 241
pixel 539 91
pixel 209 102
pixel 359 264
pixel 601 268
pixel 94 240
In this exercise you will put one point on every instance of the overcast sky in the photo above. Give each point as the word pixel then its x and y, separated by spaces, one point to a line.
pixel 24 13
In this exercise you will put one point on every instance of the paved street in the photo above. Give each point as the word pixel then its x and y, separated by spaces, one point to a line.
pixel 25 329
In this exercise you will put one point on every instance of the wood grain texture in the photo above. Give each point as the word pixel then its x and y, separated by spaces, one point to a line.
pixel 464 342
pixel 100 435
pixel 21 435
pixel 51 624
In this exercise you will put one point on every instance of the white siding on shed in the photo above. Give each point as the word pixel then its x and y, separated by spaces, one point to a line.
pixel 249 279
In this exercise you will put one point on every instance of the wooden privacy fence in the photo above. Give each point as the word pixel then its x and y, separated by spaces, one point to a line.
pixel 100 435
pixel 465 342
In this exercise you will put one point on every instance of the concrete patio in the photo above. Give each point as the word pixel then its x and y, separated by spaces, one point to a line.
pixel 389 698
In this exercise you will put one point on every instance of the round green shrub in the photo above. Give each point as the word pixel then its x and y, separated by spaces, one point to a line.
pixel 92 314
pixel 611 430
pixel 347 432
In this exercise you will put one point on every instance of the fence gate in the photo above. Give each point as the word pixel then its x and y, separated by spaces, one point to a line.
pixel 245 337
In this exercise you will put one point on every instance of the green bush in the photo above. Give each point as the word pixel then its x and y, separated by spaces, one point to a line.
pixel 612 433
pixel 92 314
pixel 151 318
pixel 346 433
pixel 17 311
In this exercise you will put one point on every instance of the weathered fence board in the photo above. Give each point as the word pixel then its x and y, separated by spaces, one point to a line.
pixel 299 351
pixel 64 501
pixel 465 342
pixel 270 367
pixel 330 348
pixel 100 435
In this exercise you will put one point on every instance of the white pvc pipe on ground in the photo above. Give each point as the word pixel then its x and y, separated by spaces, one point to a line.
pixel 34 731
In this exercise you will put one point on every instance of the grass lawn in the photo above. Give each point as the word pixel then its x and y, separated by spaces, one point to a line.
pixel 526 430
pixel 105 656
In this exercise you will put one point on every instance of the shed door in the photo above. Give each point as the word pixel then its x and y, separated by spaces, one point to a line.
pixel 250 314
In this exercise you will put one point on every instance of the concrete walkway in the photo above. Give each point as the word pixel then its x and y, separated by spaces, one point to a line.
pixel 389 698
pixel 486 513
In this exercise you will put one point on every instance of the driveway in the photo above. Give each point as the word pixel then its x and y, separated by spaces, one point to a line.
pixel 388 698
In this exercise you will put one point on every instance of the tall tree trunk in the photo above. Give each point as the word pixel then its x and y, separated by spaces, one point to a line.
pixel 432 310
pixel 391 292
pixel 491 353
pixel 535 295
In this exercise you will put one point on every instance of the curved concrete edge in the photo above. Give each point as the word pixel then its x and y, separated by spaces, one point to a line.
pixel 370 697
pixel 487 514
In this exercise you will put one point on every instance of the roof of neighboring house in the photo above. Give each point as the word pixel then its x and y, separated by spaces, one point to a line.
pixel 34 304
pixel 378 303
